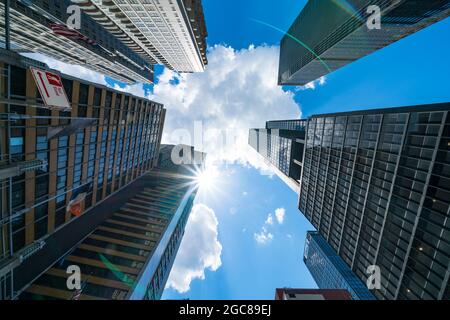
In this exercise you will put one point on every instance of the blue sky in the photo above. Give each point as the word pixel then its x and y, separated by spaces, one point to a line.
pixel 412 71
pixel 250 270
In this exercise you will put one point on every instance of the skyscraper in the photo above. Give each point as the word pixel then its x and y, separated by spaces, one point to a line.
pixel 312 294
pixel 171 32
pixel 41 26
pixel 328 35
pixel 57 177
pixel 281 144
pixel 329 270
pixel 376 186
pixel 130 254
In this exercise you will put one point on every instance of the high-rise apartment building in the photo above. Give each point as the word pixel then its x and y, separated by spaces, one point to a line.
pixel 41 26
pixel 56 188
pixel 170 32
pixel 312 294
pixel 376 186
pixel 328 35
pixel 130 254
pixel 329 270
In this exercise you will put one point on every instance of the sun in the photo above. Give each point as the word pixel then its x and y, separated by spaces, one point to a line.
pixel 211 182
pixel 207 178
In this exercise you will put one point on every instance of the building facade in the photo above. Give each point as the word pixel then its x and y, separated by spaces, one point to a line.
pixel 33 23
pixel 329 270
pixel 169 32
pixel 328 35
pixel 120 144
pixel 281 145
pixel 312 294
pixel 130 254
pixel 376 186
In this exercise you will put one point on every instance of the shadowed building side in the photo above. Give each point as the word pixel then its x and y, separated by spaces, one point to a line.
pixel 130 254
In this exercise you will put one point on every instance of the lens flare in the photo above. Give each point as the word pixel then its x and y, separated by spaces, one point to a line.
pixel 207 178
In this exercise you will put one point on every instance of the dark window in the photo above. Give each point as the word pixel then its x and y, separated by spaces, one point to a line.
pixel 108 101
pixel 60 217
pixel 83 98
pixel 40 216
pixel 18 194
pixel 97 97
pixel 41 186
pixel 82 111
pixel 18 81
pixel 68 88
pixel 42 112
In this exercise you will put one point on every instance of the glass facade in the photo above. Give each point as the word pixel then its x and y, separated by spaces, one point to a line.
pixel 376 185
pixel 121 144
pixel 133 249
pixel 295 125
pixel 31 30
pixel 329 270
pixel 172 33
pixel 325 37
pixel 281 148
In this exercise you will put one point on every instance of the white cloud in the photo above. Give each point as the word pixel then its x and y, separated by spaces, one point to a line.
pixel 263 237
pixel 322 80
pixel 237 91
pixel 279 214
pixel 313 84
pixel 200 249
pixel 69 69
pixel 135 89
pixel 269 219
pixel 245 193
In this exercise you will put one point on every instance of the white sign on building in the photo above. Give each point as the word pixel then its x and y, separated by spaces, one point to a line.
pixel 51 89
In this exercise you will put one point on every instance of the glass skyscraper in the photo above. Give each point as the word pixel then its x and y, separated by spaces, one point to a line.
pixel 328 35
pixel 168 32
pixel 130 254
pixel 88 164
pixel 281 144
pixel 40 26
pixel 376 186
pixel 329 270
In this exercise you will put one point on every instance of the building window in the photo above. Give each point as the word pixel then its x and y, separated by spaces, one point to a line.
pixel 18 193
pixel 41 220
pixel 41 189
pixel 18 82
pixel 68 88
